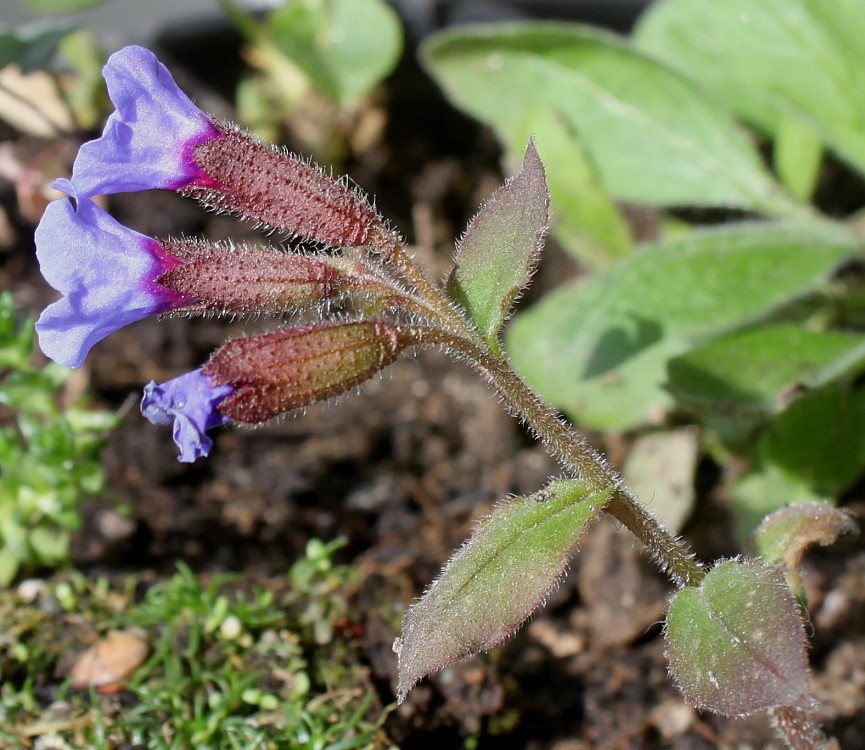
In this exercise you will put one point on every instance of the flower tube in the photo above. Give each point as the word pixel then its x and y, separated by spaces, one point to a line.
pixel 190 401
pixel 107 274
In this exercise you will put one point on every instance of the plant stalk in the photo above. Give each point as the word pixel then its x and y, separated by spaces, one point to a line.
pixel 669 551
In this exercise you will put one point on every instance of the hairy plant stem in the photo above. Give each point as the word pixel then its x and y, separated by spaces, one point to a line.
pixel 452 330
pixel 668 550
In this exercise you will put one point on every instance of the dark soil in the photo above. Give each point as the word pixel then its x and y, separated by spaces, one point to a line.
pixel 401 471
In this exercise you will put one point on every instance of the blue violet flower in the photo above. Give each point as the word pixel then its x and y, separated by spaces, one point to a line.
pixel 190 400
pixel 106 272
pixel 148 141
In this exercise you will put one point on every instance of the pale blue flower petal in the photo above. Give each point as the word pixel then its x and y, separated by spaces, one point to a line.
pixel 190 401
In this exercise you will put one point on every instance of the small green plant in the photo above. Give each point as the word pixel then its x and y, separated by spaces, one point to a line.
pixel 735 635
pixel 229 666
pixel 49 455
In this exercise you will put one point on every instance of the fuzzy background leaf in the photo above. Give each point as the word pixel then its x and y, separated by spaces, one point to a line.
pixel 758 370
pixel 499 577
pixel 767 59
pixel 598 349
pixel 344 47
pixel 818 439
pixel 501 247
pixel 736 643
pixel 653 135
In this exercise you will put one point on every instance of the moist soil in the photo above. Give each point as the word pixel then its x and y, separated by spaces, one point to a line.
pixel 401 471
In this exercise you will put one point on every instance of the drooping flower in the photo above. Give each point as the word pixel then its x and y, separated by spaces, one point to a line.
pixel 106 272
pixel 191 401
pixel 157 138
pixel 149 139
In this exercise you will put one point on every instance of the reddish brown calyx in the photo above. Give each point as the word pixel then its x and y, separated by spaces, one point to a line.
pixel 288 369
pixel 282 191
pixel 248 281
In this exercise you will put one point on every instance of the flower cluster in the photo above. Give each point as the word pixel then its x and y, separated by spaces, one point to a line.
pixel 110 275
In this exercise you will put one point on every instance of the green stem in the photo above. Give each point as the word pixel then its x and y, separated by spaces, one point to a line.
pixel 668 550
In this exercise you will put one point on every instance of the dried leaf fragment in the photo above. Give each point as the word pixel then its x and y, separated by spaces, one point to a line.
pixel 109 661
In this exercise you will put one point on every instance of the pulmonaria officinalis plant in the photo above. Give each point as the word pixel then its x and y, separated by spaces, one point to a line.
pixel 735 634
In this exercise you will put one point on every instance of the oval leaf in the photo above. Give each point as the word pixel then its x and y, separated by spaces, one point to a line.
pixel 501 247
pixel 598 349
pixel 499 577
pixel 736 643
pixel 767 58
pixel 654 137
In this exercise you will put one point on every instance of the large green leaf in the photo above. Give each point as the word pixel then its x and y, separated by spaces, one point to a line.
pixel 758 370
pixel 654 137
pixel 500 249
pixel 736 643
pixel 500 576
pixel 765 58
pixel 598 349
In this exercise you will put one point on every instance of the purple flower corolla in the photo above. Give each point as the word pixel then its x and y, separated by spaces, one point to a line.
pixel 190 400
pixel 106 272
pixel 148 141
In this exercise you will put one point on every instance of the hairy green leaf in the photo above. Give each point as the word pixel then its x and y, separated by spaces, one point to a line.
pixel 598 349
pixel 768 58
pixel 759 370
pixel 501 247
pixel 499 577
pixel 784 537
pixel 653 136
pixel 736 643
pixel 586 221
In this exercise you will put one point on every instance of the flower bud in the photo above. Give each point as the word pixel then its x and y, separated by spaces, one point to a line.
pixel 279 190
pixel 245 281
pixel 288 369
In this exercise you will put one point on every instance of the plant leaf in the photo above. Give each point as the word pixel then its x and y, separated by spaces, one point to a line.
pixel 500 249
pixel 797 155
pixel 499 577
pixel 758 370
pixel 345 47
pixel 766 58
pixel 586 222
pixel 736 643
pixel 653 136
pixel 60 6
pixel 783 537
pixel 818 439
pixel 598 349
